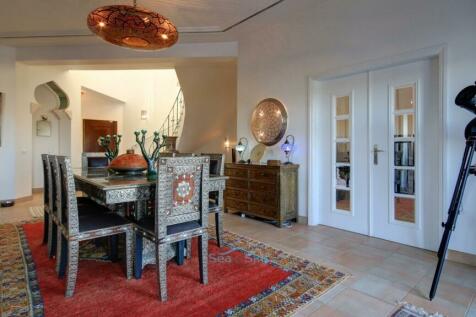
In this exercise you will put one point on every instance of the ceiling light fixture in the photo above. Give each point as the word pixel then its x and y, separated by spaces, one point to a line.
pixel 132 27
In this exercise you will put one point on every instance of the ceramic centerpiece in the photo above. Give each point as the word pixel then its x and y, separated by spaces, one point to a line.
pixel 128 163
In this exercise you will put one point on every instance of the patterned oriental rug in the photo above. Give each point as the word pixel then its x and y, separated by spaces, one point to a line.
pixel 246 278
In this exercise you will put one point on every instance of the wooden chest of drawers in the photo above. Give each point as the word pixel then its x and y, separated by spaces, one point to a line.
pixel 269 192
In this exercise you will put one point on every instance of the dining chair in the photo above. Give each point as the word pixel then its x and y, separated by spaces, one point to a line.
pixel 215 201
pixel 181 213
pixel 46 197
pixel 80 222
pixel 215 198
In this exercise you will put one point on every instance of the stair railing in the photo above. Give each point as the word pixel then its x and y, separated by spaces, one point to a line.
pixel 172 123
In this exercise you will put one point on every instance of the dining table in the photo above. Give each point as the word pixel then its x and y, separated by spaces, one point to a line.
pixel 130 195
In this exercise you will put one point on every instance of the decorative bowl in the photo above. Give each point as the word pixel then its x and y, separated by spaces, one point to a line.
pixel 128 164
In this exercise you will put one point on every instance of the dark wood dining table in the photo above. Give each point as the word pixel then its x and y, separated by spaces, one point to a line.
pixel 115 190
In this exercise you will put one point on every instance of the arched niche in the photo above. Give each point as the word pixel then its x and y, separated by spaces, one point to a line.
pixel 51 126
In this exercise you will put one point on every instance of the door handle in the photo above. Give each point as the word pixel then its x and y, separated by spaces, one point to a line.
pixel 376 151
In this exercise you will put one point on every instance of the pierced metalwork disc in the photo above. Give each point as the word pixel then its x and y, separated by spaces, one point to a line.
pixel 269 121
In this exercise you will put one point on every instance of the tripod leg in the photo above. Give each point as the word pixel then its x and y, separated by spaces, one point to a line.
pixel 453 212
pixel 441 261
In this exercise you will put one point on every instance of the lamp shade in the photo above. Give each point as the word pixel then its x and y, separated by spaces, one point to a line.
pixel 132 27
pixel 240 147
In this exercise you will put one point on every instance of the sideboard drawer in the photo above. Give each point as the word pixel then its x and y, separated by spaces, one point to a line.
pixel 235 193
pixel 264 198
pixel 264 175
pixel 236 204
pixel 237 183
pixel 263 210
pixel 263 187
pixel 236 172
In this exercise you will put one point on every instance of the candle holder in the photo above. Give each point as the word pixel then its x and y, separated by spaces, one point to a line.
pixel 151 157
pixel 106 141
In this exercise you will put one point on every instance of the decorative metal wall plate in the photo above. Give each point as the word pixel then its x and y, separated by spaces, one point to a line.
pixel 269 121
pixel 257 153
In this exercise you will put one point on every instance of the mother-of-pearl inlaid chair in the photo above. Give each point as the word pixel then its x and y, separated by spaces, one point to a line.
pixel 84 222
pixel 181 213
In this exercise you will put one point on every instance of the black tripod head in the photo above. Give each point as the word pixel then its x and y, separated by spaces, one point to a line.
pixel 467 99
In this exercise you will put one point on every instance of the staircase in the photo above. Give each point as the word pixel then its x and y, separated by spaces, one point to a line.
pixel 172 125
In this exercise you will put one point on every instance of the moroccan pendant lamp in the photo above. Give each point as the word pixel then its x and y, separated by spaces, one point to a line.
pixel 132 27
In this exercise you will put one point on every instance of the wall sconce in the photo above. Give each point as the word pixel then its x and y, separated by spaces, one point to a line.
pixel 227 144
pixel 288 147
pixel 241 148
pixel 144 115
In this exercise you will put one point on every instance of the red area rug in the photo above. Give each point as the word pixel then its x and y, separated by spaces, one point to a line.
pixel 246 278
pixel 102 289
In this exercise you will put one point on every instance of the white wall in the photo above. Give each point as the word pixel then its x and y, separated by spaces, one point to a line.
pixel 7 124
pixel 281 49
pixel 151 90
pixel 43 144
pixel 210 102
pixel 96 106
pixel 154 90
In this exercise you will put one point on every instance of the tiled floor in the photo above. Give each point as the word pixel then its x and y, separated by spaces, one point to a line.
pixel 383 273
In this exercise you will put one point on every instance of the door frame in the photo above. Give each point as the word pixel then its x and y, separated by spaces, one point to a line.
pixel 438 52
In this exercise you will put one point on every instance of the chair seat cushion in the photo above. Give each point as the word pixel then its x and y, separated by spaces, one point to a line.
pixel 91 207
pixel 96 221
pixel 85 201
pixel 147 224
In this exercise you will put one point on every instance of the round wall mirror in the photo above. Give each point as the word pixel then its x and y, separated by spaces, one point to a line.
pixel 269 121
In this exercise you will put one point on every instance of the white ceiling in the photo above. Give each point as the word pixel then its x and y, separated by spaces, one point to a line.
pixel 29 18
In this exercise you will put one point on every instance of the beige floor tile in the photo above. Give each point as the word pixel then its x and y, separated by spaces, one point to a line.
pixel 357 304
pixel 446 291
pixel 382 244
pixel 419 254
pixel 439 305
pixel 309 309
pixel 354 261
pixel 459 274
pixel 472 309
pixel 388 291
pixel 327 311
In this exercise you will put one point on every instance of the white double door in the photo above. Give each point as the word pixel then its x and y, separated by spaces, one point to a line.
pixel 379 166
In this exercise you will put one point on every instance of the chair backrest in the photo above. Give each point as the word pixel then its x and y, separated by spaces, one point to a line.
pixel 46 179
pixel 217 163
pixel 56 179
pixel 94 160
pixel 54 190
pixel 182 192
pixel 69 217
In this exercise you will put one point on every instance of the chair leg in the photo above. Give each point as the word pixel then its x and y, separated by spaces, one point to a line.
pixel 113 248
pixel 189 248
pixel 51 238
pixel 179 257
pixel 59 246
pixel 203 257
pixel 73 254
pixel 138 255
pixel 63 256
pixel 128 247
pixel 46 221
pixel 161 260
pixel 219 228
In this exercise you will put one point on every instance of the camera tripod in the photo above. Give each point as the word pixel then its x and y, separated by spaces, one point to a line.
pixel 466 99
